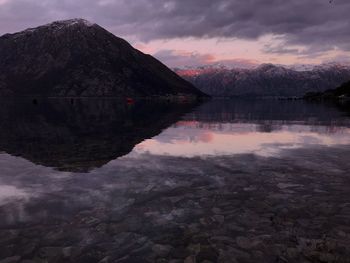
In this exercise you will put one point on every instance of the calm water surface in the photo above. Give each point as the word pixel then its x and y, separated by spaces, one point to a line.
pixel 225 181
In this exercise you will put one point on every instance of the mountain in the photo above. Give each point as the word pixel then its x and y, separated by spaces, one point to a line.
pixel 79 58
pixel 266 80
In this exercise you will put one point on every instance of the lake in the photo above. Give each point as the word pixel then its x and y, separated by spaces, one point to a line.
pixel 226 180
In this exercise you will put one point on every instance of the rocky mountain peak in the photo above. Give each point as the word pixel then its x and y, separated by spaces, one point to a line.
pixel 267 67
pixel 69 23
pixel 55 26
pixel 76 58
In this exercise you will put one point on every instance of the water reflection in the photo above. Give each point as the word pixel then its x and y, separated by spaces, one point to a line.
pixel 263 127
pixel 198 139
pixel 228 181
pixel 81 135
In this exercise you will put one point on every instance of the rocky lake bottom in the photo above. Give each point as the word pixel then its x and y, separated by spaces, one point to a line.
pixel 226 181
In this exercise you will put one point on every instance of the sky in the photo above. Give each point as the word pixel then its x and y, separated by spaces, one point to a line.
pixel 181 33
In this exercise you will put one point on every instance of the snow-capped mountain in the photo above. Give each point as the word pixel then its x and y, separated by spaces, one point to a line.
pixel 266 79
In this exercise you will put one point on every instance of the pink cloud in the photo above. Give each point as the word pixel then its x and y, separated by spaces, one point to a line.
pixel 181 58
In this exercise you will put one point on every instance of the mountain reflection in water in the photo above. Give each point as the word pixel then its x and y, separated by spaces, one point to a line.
pixel 224 181
pixel 79 135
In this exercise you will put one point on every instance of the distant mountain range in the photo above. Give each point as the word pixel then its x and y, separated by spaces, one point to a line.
pixel 266 80
pixel 76 58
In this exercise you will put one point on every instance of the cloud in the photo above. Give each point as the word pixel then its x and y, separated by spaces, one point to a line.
pixel 176 58
pixel 314 24
pixel 280 49
pixel 180 59
pixel 343 59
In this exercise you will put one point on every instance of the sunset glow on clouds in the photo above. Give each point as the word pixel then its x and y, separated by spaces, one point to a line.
pixel 203 32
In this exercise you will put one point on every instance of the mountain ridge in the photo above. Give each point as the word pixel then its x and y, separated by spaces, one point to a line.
pixel 77 58
pixel 266 79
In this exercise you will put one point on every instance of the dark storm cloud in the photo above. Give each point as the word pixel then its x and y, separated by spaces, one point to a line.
pixel 317 24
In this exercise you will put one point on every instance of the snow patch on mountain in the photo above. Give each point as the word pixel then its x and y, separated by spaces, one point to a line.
pixel 55 26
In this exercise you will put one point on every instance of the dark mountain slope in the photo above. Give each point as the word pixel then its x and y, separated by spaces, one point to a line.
pixel 77 58
pixel 340 93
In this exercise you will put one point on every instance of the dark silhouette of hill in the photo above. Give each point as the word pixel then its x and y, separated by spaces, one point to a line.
pixel 75 58
pixel 339 97
pixel 342 92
